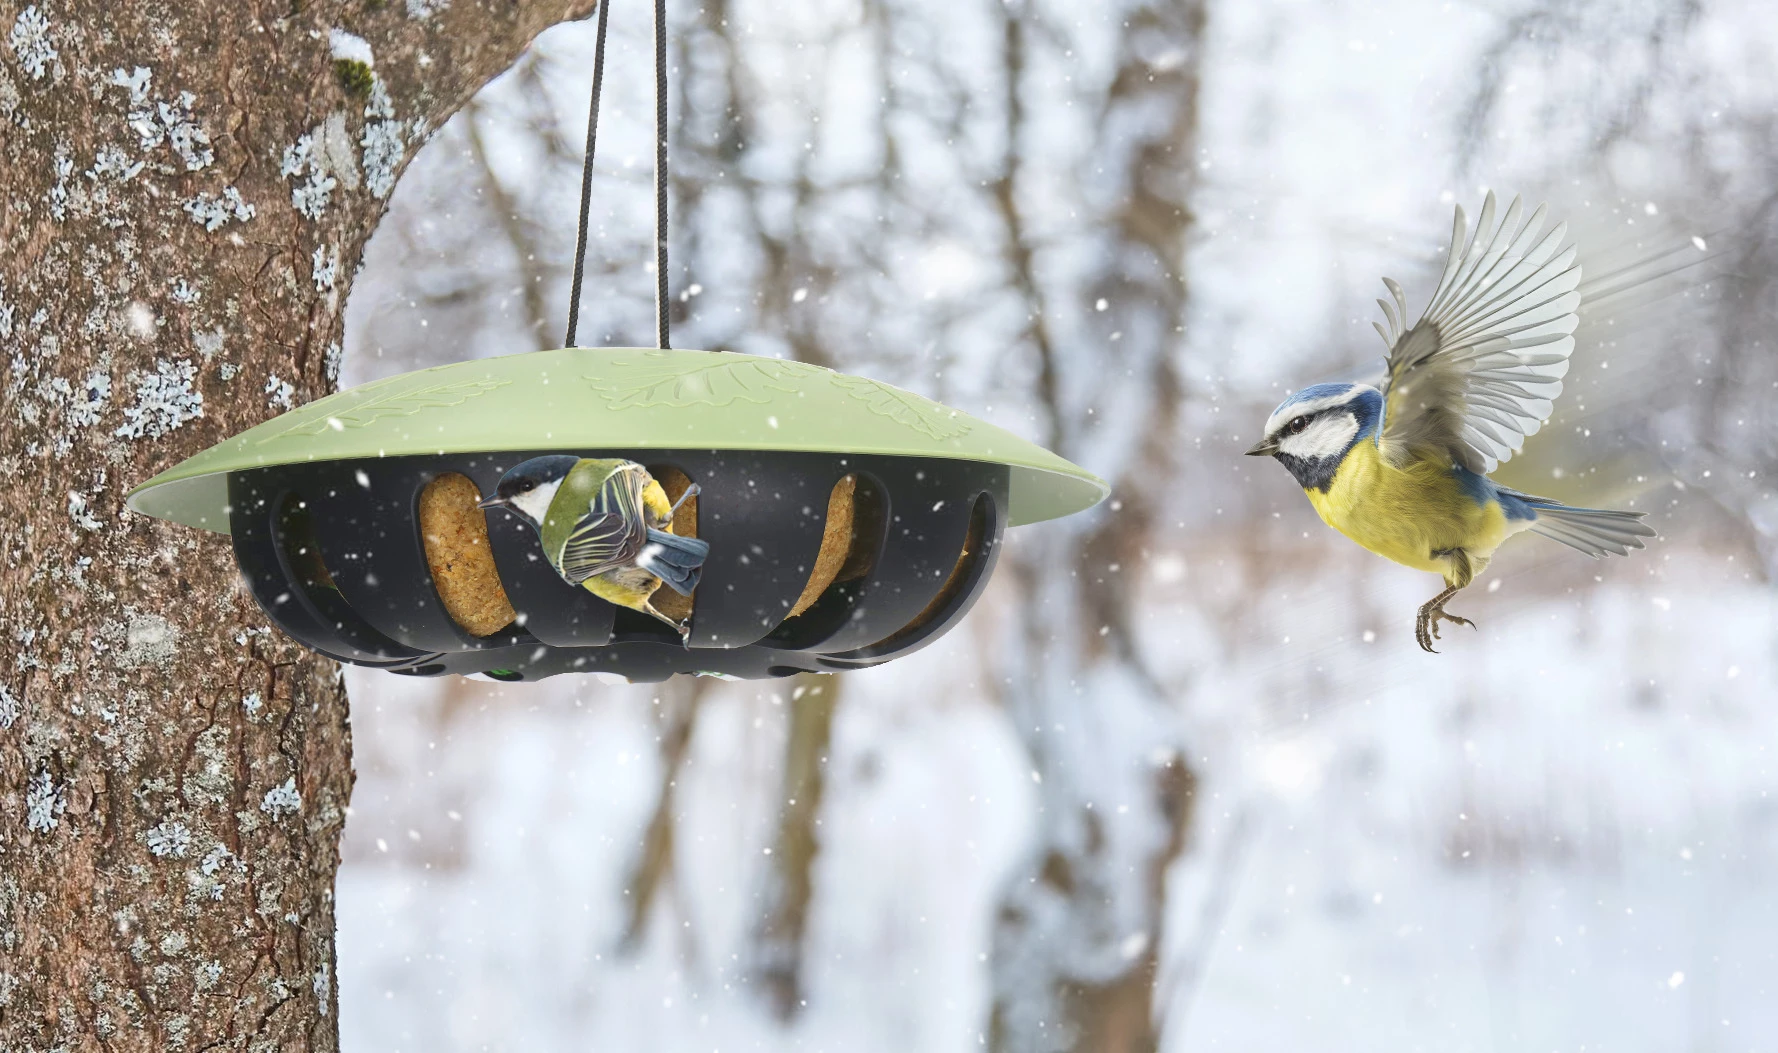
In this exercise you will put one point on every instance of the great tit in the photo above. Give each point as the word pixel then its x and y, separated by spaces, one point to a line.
pixel 606 525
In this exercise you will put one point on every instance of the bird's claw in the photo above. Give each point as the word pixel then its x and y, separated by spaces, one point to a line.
pixel 1426 625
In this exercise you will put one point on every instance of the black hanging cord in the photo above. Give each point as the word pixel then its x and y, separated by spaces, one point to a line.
pixel 660 174
pixel 586 174
pixel 661 303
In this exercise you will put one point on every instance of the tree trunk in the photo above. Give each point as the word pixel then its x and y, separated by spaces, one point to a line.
pixel 1078 936
pixel 780 933
pixel 187 190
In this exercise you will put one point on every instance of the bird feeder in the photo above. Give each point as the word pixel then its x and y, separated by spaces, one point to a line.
pixel 849 522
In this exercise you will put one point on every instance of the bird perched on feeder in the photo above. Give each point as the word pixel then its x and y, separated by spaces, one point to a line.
pixel 1403 470
pixel 606 525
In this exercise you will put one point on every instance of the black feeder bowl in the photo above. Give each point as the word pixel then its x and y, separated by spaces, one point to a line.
pixel 323 504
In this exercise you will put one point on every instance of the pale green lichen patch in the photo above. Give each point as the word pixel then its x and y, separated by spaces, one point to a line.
pixel 30 42
pixel 168 839
pixel 324 267
pixel 162 121
pixel 282 800
pixel 384 141
pixel 45 800
pixel 165 399
pixel 215 212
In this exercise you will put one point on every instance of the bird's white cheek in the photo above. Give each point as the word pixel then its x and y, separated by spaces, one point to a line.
pixel 1325 437
pixel 536 503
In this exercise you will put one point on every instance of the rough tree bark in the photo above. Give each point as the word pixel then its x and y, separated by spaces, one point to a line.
pixel 187 190
pixel 780 932
pixel 680 700
pixel 1077 940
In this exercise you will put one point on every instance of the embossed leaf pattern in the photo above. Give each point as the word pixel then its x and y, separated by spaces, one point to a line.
pixel 396 403
pixel 917 412
pixel 718 384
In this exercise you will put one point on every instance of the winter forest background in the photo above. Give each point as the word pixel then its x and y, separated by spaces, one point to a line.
pixel 1183 767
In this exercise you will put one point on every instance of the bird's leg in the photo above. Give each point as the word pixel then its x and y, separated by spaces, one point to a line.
pixel 683 628
pixel 1426 625
pixel 690 492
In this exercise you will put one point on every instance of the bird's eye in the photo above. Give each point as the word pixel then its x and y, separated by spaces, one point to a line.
pixel 1296 426
pixel 527 486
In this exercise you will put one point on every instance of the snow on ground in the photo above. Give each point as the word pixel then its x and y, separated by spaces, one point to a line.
pixel 1393 851
pixel 1483 852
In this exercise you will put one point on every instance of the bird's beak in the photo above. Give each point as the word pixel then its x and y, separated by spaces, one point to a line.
pixel 1263 448
pixel 493 502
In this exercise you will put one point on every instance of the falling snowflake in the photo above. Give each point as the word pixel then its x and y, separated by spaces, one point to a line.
pixel 213 212
pixel 30 41
pixel 164 401
pixel 282 800
pixel 169 839
pixel 209 343
pixel 43 803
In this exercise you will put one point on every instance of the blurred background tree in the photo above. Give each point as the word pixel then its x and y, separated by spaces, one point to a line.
pixel 1180 779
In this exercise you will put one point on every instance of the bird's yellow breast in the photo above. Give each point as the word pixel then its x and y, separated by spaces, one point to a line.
pixel 625 586
pixel 1410 512
pixel 660 510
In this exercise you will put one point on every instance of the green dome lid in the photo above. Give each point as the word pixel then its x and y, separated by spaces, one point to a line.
pixel 618 399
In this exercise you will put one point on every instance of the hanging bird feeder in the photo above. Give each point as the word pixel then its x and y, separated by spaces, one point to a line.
pixel 848 522
pixel 824 521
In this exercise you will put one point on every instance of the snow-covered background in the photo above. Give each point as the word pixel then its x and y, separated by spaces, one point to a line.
pixel 1560 834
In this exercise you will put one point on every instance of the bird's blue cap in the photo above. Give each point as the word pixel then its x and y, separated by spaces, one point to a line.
pixel 1315 393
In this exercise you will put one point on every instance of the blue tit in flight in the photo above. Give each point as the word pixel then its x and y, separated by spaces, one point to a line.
pixel 1404 470
pixel 605 525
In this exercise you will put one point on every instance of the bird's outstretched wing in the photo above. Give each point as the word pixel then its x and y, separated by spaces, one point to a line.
pixel 1480 370
pixel 610 535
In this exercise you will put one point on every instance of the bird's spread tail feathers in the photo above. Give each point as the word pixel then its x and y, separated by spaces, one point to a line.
pixel 677 561
pixel 1595 531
